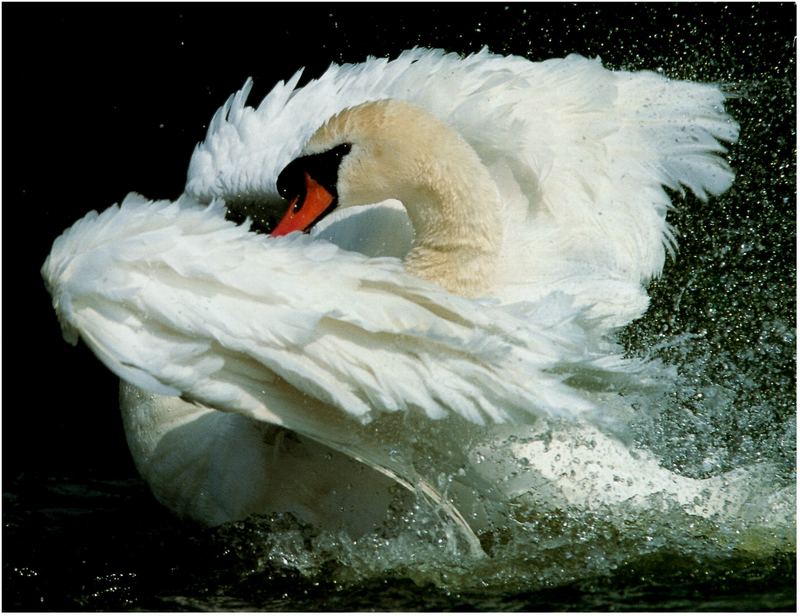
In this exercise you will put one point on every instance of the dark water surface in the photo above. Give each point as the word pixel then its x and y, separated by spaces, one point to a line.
pixel 102 100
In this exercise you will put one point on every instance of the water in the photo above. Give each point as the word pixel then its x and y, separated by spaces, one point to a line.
pixel 103 545
pixel 82 532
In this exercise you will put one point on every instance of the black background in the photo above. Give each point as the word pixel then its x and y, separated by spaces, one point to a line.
pixel 100 100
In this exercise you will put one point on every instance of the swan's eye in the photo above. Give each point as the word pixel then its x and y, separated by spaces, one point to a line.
pixel 323 167
pixel 340 151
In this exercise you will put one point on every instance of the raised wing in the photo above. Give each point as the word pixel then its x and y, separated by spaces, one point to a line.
pixel 580 153
pixel 601 146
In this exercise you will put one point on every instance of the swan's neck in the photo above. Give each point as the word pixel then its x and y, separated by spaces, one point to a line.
pixel 401 151
pixel 454 208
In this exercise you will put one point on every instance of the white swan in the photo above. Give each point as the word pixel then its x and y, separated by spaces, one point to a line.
pixel 531 212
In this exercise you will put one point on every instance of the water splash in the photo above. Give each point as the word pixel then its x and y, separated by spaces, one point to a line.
pixel 579 504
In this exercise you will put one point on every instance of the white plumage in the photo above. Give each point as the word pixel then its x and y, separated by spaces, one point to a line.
pixel 580 154
pixel 171 294
pixel 328 342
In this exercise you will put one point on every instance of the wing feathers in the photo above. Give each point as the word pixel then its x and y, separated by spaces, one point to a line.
pixel 587 149
pixel 175 298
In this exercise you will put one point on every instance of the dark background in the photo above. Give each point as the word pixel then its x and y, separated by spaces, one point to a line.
pixel 100 100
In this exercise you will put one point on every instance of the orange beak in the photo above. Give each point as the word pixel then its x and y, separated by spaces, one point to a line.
pixel 301 217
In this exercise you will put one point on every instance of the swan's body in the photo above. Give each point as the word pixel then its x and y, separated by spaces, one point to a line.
pixel 532 214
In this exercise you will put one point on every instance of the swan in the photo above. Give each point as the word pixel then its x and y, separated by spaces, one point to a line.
pixel 453 241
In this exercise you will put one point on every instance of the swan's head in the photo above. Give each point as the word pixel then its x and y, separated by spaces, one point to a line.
pixel 366 154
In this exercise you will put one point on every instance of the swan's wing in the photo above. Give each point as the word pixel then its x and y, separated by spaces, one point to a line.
pixel 602 146
pixel 246 147
pixel 580 152
pixel 293 331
